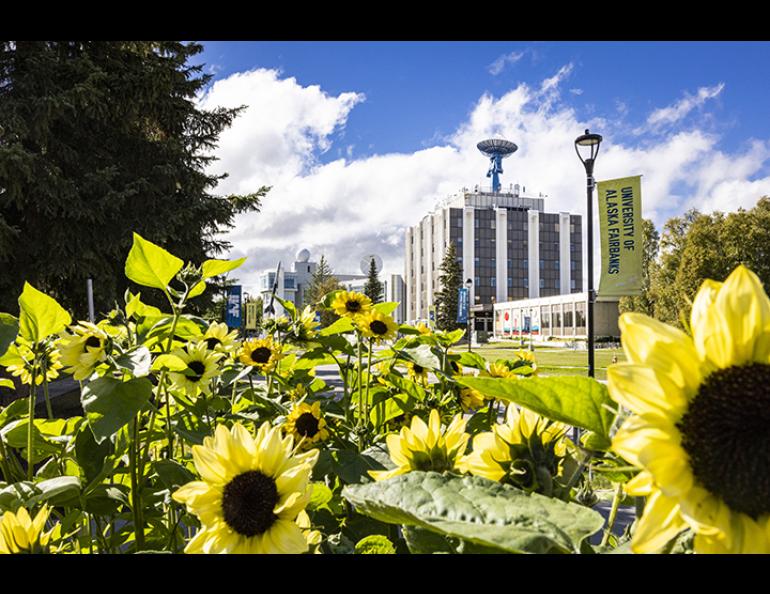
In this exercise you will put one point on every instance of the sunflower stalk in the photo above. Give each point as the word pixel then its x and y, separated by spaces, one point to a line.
pixel 31 417
pixel 136 499
pixel 613 513
pixel 48 409
pixel 365 435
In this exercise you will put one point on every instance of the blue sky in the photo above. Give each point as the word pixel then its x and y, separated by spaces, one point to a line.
pixel 360 139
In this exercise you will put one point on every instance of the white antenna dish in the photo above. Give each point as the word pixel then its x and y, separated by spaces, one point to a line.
pixel 366 263
pixel 303 255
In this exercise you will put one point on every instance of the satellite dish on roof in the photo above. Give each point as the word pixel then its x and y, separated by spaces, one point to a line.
pixel 366 263
pixel 496 149
pixel 303 255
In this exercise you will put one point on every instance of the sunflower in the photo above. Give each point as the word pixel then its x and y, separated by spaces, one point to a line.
pixel 455 367
pixel 306 424
pixel 702 408
pixel 471 399
pixel 201 367
pixel 377 326
pixel 218 339
pixel 423 329
pixel 262 354
pixel 83 350
pixel 19 358
pixel 351 304
pixel 308 325
pixel 425 447
pixel 252 493
pixel 19 533
pixel 499 369
pixel 526 451
pixel 417 372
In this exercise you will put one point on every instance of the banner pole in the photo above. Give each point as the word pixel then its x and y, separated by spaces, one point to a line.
pixel 590 320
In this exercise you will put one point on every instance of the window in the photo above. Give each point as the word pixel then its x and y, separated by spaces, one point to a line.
pixel 542 283
pixel 557 283
pixel 475 261
pixel 542 265
pixel 492 262
pixel 493 224
pixel 572 284
pixel 477 281
pixel 525 263
pixel 526 283
pixel 493 282
pixel 556 264
pixel 510 282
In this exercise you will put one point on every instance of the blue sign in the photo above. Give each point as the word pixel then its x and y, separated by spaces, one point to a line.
pixel 233 317
pixel 462 305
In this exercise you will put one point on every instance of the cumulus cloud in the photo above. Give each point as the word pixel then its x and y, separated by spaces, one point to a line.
pixel 501 62
pixel 350 207
pixel 674 113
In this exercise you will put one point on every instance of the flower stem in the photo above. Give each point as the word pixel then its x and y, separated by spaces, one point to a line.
pixel 4 462
pixel 136 500
pixel 613 512
pixel 30 426
pixel 48 408
pixel 366 399
pixel 360 403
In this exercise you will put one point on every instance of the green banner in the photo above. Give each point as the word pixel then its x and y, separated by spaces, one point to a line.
pixel 620 226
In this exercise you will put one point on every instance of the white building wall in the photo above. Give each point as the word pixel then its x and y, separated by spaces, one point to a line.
pixel 501 254
pixel 533 252
pixel 565 266
pixel 417 276
pixel 427 247
pixel 409 273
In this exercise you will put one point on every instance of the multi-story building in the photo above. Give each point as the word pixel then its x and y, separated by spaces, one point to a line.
pixel 506 244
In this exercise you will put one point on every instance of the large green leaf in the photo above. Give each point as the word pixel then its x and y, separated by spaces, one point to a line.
pixel 150 265
pixel 40 315
pixel 110 404
pixel 212 268
pixel 338 327
pixel 423 355
pixel 579 401
pixel 386 307
pixel 478 511
pixel 472 360
pixel 9 328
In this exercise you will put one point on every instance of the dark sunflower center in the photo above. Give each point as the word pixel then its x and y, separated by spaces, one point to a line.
pixel 725 434
pixel 211 343
pixel 455 367
pixel 93 342
pixel 261 355
pixel 418 369
pixel 248 502
pixel 306 425
pixel 353 306
pixel 379 328
pixel 198 368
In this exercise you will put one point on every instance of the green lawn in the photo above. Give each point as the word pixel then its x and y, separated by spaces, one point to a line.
pixel 554 361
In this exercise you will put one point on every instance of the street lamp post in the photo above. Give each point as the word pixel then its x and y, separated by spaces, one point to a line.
pixel 468 285
pixel 590 146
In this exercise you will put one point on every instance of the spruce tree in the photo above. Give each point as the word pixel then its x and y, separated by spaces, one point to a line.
pixel 373 287
pixel 449 282
pixel 99 139
pixel 322 282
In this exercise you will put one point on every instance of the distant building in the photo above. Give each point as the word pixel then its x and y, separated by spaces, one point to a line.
pixel 506 244
pixel 559 316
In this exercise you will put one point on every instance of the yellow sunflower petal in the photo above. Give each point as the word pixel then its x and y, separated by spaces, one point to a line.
pixel 660 523
pixel 734 329
pixel 209 465
pixel 641 485
pixel 643 391
pixel 664 348
pixel 395 450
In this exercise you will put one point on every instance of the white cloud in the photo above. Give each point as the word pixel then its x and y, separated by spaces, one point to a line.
pixel 673 113
pixel 501 62
pixel 350 207
pixel 577 92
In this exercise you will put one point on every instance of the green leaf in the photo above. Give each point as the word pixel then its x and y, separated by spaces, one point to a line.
pixel 136 361
pixel 9 328
pixel 135 308
pixel 89 454
pixel 287 305
pixel 170 362
pixel 56 490
pixel 150 265
pixel 375 544
pixel 320 496
pixel 449 338
pixel 422 542
pixel 342 325
pixel 172 474
pixel 16 409
pixel 423 355
pixel 472 360
pixel 110 404
pixel 578 401
pixel 387 409
pixel 386 308
pixel 6 383
pixel 478 511
pixel 216 267
pixel 40 315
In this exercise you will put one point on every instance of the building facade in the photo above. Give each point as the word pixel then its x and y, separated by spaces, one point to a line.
pixel 559 316
pixel 506 244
